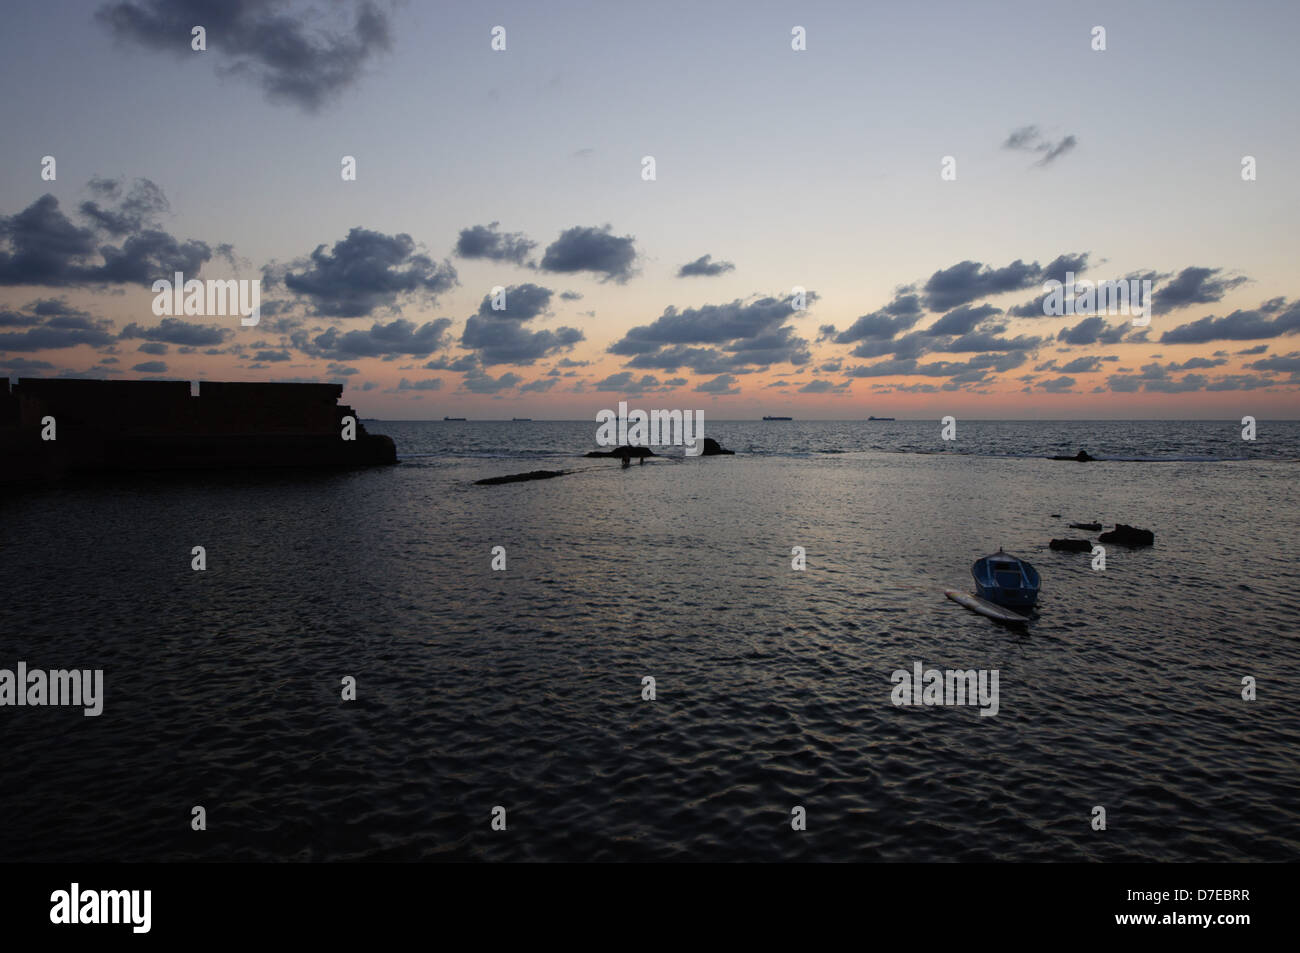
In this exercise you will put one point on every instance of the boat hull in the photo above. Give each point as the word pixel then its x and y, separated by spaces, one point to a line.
pixel 1006 580
pixel 1011 598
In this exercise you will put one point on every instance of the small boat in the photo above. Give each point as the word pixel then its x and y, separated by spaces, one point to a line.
pixel 453 418
pixel 778 418
pixel 1005 580
pixel 518 419
pixel 880 418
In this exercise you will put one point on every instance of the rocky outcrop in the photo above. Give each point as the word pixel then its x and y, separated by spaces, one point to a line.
pixel 1130 536
pixel 1090 527
pixel 1071 545
pixel 1081 457
pixel 625 451
pixel 714 449
pixel 521 477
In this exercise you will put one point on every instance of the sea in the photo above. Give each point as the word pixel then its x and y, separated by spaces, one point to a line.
pixel 693 659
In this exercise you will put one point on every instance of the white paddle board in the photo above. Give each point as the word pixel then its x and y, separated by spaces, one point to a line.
pixel 986 608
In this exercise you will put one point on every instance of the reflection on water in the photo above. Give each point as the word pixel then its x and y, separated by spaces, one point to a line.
pixel 522 688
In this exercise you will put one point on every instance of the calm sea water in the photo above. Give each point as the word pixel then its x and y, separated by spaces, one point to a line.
pixel 522 688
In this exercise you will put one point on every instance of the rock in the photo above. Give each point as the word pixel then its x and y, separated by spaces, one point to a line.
pixel 714 449
pixel 521 477
pixel 1131 536
pixel 623 452
pixel 1090 527
pixel 1081 457
pixel 1071 545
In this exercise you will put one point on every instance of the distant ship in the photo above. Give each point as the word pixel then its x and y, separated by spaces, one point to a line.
pixel 453 418
pixel 880 418
pixel 521 418
pixel 778 418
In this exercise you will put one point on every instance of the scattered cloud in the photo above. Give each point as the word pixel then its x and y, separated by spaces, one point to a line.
pixel 297 54
pixel 1031 139
pixel 488 241
pixel 362 272
pixel 597 250
pixel 704 266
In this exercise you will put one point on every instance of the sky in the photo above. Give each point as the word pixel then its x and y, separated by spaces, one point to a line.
pixel 919 169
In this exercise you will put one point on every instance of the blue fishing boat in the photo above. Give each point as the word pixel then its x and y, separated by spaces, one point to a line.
pixel 1006 580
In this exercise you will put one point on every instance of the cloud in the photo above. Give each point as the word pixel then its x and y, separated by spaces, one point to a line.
pixel 52 324
pixel 1288 364
pixel 1193 286
pixel 522 303
pixel 1189 382
pixel 968 280
pixel 478 382
pixel 466 362
pixel 1055 270
pixel 897 316
pixel 399 338
pixel 141 206
pixel 364 271
pixel 722 384
pixel 743 335
pixel 429 383
pixel 1154 378
pixel 1240 325
pixel 1057 385
pixel 1240 382
pixel 1082 365
pixel 1092 330
pixel 539 386
pixel 1031 139
pixel 488 241
pixel 176 331
pixel 499 337
pixel 151 367
pixel 507 342
pixel 24 364
pixel 1197 364
pixel 42 246
pixel 962 320
pixel 596 250
pixel 625 382
pixel 989 340
pixel 704 266
pixel 153 347
pixel 295 56
pixel 824 387
pixel 977 369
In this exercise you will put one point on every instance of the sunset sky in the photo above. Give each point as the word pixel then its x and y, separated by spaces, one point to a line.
pixel 774 168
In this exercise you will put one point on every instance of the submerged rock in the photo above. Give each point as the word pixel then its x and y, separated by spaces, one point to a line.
pixel 626 451
pixel 521 477
pixel 1081 457
pixel 1090 527
pixel 714 449
pixel 1071 545
pixel 1131 536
